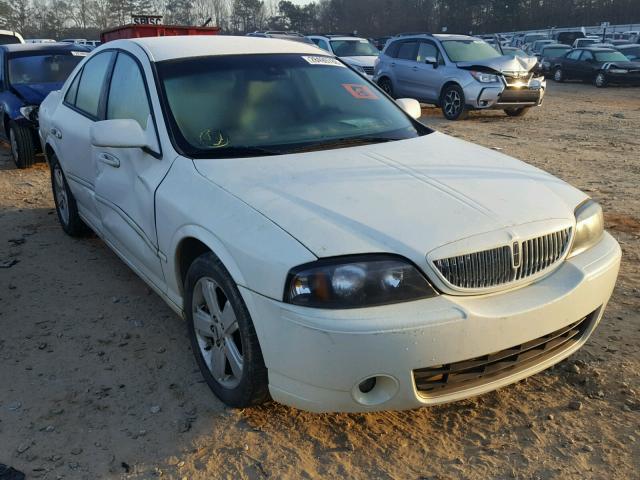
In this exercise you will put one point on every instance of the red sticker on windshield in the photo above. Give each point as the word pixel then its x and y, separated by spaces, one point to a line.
pixel 361 92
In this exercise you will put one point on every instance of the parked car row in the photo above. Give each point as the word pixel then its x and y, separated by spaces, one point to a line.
pixel 602 66
pixel 245 223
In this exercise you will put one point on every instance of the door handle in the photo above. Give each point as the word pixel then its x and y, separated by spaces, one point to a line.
pixel 109 160
pixel 415 69
pixel 56 133
pixel 393 64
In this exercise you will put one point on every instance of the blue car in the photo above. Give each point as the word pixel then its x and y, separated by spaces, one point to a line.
pixel 28 72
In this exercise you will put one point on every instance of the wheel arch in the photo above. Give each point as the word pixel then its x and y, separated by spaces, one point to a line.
pixel 190 242
pixel 446 84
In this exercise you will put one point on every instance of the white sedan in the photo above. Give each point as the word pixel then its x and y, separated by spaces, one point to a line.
pixel 326 249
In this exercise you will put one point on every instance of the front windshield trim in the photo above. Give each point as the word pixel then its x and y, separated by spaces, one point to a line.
pixel 181 146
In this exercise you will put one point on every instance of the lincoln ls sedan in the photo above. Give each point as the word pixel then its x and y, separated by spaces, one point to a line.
pixel 326 249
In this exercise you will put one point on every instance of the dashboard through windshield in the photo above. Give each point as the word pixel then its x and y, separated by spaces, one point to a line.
pixel 250 105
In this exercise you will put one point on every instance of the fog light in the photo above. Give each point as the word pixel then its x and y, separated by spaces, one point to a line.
pixel 368 385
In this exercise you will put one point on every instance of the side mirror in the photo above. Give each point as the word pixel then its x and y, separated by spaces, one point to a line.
pixel 431 60
pixel 410 106
pixel 122 133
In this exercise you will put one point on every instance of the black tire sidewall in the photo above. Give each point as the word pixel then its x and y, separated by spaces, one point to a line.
pixel 24 140
pixel 253 386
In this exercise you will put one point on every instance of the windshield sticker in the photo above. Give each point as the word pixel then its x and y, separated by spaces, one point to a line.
pixel 361 92
pixel 323 61
pixel 79 54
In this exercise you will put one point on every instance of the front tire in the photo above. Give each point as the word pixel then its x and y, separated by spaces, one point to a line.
pixel 453 103
pixel 66 206
pixel 517 112
pixel 386 86
pixel 23 149
pixel 223 338
pixel 601 80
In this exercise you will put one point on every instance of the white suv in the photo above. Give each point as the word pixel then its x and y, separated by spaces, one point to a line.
pixel 357 52
pixel 325 248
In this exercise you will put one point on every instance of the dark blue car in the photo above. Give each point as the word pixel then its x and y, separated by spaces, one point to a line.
pixel 28 72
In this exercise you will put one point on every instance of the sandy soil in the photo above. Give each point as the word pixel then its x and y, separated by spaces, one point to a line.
pixel 98 380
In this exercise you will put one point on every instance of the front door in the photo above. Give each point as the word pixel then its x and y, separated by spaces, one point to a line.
pixel 403 66
pixel 127 178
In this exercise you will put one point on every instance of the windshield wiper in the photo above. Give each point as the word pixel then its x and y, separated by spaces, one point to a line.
pixel 341 142
pixel 242 151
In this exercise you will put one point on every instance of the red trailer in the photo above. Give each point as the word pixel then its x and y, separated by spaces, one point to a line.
pixel 139 31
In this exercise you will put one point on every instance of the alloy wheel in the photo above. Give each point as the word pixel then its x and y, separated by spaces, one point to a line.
pixel 452 103
pixel 557 75
pixel 217 332
pixel 600 80
pixel 60 192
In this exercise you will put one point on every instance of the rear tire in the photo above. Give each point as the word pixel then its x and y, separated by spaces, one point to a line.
pixel 223 338
pixel 23 149
pixel 452 103
pixel 66 206
pixel 600 81
pixel 517 112
pixel 558 75
pixel 386 86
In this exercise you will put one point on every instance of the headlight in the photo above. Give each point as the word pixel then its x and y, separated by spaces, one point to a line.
pixel 545 64
pixel 484 77
pixel 356 281
pixel 30 112
pixel 618 70
pixel 589 226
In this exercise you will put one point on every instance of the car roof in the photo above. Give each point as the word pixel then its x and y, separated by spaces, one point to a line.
pixel 42 47
pixel 598 49
pixel 627 46
pixel 186 46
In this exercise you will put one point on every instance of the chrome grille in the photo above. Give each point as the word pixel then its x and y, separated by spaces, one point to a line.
pixel 502 265
pixel 368 70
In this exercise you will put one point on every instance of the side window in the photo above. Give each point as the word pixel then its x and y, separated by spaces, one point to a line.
pixel 90 86
pixel 324 45
pixel 586 56
pixel 70 97
pixel 127 93
pixel 426 50
pixel 392 49
pixel 407 51
pixel 574 55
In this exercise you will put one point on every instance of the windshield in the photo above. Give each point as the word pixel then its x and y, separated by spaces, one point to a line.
pixel 610 57
pixel 469 50
pixel 354 48
pixel 49 68
pixel 587 41
pixel 554 52
pixel 237 105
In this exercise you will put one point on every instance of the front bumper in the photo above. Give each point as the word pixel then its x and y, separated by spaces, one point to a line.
pixel 317 358
pixel 499 95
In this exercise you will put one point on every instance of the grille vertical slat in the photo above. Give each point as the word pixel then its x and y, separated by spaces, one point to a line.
pixel 494 267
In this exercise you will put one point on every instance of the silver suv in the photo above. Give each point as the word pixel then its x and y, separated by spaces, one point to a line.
pixel 458 73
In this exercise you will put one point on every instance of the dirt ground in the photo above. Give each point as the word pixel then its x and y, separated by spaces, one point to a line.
pixel 98 381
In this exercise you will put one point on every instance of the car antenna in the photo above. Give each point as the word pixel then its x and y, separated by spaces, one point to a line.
pixel 498 42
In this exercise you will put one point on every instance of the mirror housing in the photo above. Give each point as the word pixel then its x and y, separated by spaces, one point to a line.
pixel 123 133
pixel 410 106
pixel 431 60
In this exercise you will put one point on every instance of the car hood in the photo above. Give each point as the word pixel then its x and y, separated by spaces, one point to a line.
pixel 407 197
pixel 35 93
pixel 368 61
pixel 505 63
pixel 624 65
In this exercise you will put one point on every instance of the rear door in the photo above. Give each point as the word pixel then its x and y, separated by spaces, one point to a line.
pixel 70 127
pixel 402 67
pixel 127 178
